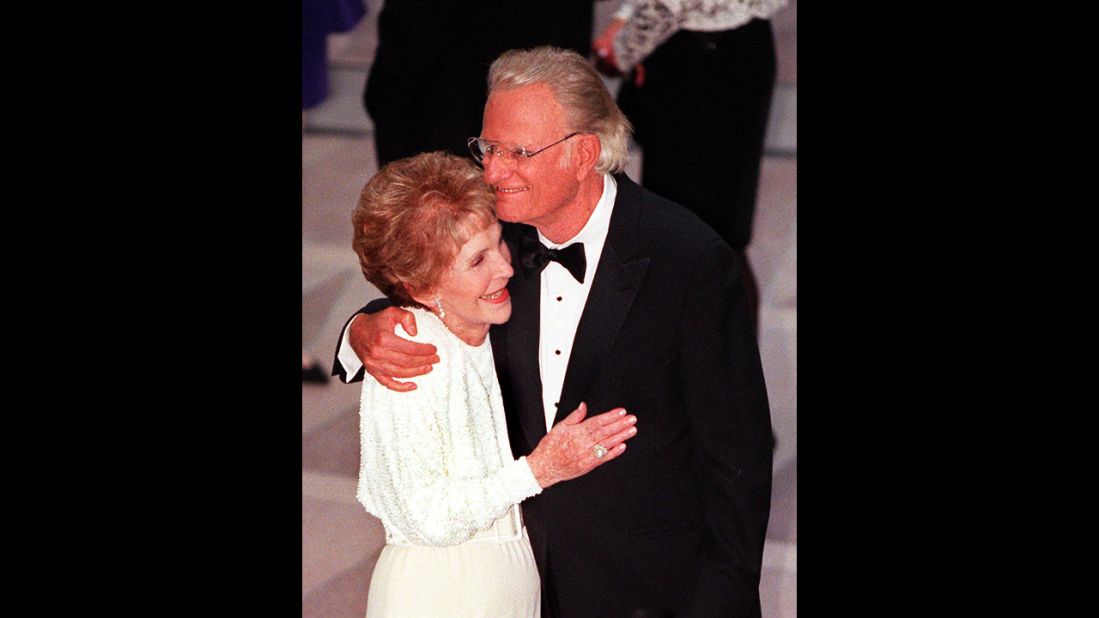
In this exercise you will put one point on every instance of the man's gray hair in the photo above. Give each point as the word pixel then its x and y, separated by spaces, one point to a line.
pixel 588 105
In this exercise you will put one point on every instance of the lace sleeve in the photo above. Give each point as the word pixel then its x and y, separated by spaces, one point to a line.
pixel 651 22
pixel 648 23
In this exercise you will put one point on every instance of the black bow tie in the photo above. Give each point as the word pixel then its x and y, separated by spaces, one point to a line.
pixel 534 256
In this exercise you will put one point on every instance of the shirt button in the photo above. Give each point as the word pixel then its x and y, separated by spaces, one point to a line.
pixel 558 352
pixel 558 299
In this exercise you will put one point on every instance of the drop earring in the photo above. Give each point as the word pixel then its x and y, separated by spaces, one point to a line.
pixel 439 305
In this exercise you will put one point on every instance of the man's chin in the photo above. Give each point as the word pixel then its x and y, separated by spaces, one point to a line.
pixel 506 214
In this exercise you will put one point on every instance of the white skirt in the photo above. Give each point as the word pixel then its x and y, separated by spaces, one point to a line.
pixel 492 575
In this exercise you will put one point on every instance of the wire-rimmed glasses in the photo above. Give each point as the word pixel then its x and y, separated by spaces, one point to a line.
pixel 482 148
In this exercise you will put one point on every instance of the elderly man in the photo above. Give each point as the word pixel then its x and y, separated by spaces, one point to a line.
pixel 620 298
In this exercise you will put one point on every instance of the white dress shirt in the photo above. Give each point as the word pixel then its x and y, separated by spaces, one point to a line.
pixel 563 299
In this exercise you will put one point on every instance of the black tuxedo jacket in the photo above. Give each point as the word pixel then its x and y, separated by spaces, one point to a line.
pixel 676 525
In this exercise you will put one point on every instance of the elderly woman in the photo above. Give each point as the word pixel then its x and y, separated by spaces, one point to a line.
pixel 436 466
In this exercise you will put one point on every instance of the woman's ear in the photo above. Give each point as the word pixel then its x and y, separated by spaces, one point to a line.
pixel 426 299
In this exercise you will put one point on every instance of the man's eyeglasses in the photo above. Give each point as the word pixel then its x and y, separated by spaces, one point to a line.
pixel 482 149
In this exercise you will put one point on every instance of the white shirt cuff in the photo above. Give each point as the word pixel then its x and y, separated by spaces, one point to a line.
pixel 531 483
pixel 346 356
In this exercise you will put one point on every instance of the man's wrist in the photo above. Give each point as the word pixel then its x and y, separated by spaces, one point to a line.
pixel 536 469
pixel 346 355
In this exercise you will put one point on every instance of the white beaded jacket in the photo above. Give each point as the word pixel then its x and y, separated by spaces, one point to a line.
pixel 651 22
pixel 436 465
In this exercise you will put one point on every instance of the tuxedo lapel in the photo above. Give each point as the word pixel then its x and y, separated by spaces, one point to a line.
pixel 521 343
pixel 613 290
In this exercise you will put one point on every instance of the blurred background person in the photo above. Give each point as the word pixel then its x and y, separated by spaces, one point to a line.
pixel 319 18
pixel 699 76
pixel 427 87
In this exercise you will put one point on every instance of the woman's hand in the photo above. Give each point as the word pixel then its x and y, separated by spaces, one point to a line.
pixel 570 448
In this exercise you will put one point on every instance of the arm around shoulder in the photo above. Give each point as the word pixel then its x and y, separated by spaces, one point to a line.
pixel 346 365
pixel 377 349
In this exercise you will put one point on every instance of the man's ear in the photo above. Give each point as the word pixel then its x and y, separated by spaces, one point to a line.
pixel 586 151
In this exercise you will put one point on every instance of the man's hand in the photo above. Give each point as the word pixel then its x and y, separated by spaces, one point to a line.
pixel 569 449
pixel 387 356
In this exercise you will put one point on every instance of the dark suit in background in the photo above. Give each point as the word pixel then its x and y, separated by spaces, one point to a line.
pixel 701 119
pixel 427 86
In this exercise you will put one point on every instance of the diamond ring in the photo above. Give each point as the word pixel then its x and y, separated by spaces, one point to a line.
pixel 598 450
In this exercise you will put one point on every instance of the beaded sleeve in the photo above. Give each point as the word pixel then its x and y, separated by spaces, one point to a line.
pixel 433 465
